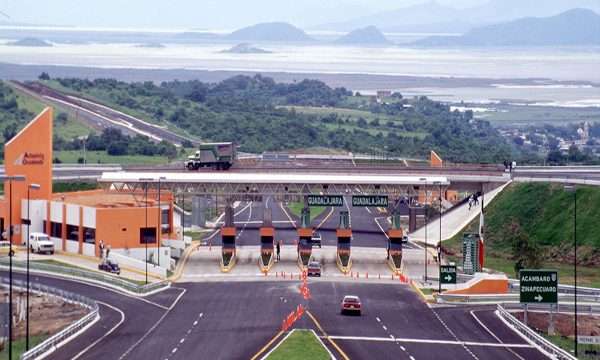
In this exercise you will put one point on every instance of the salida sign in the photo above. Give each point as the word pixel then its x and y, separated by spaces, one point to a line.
pixel 29 158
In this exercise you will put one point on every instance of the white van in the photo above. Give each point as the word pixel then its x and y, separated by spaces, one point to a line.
pixel 40 243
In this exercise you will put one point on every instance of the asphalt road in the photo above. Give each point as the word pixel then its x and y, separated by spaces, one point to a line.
pixel 234 320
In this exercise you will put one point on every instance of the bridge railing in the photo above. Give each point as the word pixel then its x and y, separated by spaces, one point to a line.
pixel 53 341
pixel 550 349
pixel 89 276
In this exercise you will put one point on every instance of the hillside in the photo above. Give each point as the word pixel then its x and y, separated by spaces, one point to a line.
pixel 263 115
pixel 573 27
pixel 274 31
pixel 245 48
pixel 544 212
pixel 32 42
pixel 369 35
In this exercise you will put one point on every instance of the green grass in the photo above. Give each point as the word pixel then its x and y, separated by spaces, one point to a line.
pixel 101 157
pixel 18 347
pixel 428 291
pixel 59 187
pixel 296 209
pixel 499 260
pixel 302 344
pixel 68 130
pixel 511 115
pixel 353 114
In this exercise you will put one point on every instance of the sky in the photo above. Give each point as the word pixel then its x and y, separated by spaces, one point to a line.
pixel 196 14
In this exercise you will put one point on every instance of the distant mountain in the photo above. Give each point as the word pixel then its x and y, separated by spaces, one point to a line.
pixel 245 49
pixel 573 27
pixel 434 17
pixel 369 35
pixel 33 42
pixel 150 45
pixel 275 31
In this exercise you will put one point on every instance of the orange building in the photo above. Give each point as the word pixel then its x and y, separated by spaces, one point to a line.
pixel 78 221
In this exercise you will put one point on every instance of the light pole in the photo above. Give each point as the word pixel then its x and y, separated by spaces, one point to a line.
pixel 30 187
pixel 573 189
pixel 158 235
pixel 146 182
pixel 426 223
pixel 10 180
pixel 439 183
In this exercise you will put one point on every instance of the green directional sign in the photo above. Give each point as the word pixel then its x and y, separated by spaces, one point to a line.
pixel 325 200
pixel 448 274
pixel 538 286
pixel 370 200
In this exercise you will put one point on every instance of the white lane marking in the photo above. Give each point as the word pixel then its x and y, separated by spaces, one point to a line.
pixel 378 319
pixel 403 348
pixel 174 351
pixel 182 340
pixel 384 327
pixel 147 333
pixel 430 341
pixel 380 228
pixel 195 323
pixel 325 219
pixel 453 334
pixel 244 227
pixel 368 210
pixel 412 357
pixel 107 334
pixel 493 335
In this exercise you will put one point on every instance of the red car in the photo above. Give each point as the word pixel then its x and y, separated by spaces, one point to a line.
pixel 314 269
pixel 352 304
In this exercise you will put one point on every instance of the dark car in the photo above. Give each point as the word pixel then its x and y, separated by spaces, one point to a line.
pixel 110 266
pixel 313 269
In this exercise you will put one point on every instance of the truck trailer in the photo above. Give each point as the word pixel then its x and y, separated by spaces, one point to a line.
pixel 218 156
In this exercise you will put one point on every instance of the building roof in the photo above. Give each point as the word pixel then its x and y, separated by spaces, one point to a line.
pixel 109 199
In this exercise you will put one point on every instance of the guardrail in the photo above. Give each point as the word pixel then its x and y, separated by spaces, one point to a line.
pixel 544 345
pixel 588 301
pixel 53 341
pixel 89 276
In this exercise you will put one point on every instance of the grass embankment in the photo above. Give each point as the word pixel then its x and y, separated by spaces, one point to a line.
pixel 302 344
pixel 296 209
pixel 18 347
pixel 544 214
pixel 101 157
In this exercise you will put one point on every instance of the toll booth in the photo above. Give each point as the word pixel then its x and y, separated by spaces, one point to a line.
pixel 228 235
pixel 267 235
pixel 344 238
pixel 305 233
pixel 394 250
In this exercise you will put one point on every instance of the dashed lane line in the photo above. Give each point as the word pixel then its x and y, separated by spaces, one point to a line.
pixel 392 338
pixel 182 340
pixel 453 334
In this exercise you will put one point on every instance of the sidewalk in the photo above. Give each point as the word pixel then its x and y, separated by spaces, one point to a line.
pixel 81 261
pixel 453 222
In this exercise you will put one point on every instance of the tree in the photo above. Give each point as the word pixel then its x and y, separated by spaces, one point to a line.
pixel 44 76
pixel 525 252
pixel 9 131
pixel 62 118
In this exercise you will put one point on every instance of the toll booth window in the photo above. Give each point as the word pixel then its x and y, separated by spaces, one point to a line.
pixel 148 235
pixel 164 219
pixel 73 232
pixel 55 229
pixel 89 235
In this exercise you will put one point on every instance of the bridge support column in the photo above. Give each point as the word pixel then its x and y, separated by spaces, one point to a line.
pixel 344 237
pixel 305 232
pixel 267 235
pixel 199 210
pixel 395 236
pixel 228 235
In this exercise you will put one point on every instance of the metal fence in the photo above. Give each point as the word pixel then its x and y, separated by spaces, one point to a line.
pixel 53 341
pixel 546 346
pixel 88 275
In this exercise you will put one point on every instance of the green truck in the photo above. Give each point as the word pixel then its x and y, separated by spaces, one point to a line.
pixel 218 156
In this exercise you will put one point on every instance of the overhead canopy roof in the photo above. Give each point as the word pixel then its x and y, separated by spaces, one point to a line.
pixel 225 177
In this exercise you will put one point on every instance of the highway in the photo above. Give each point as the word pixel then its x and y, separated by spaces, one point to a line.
pixel 234 320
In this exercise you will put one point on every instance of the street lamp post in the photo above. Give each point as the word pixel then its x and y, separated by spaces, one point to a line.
pixel 146 182
pixel 573 189
pixel 158 235
pixel 10 180
pixel 30 187
pixel 439 183
pixel 426 223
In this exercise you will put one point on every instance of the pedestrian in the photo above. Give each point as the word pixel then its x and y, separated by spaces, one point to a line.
pixel 101 247
pixel 278 251
pixel 107 251
pixel 476 199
